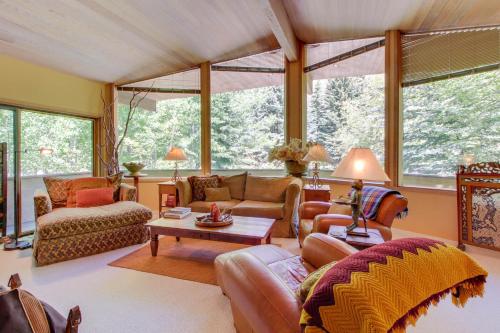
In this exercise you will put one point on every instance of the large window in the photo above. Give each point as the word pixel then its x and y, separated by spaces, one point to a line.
pixel 247 111
pixel 161 121
pixel 49 145
pixel 451 104
pixel 345 105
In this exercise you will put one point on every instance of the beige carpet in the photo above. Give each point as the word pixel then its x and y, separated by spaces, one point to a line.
pixel 188 259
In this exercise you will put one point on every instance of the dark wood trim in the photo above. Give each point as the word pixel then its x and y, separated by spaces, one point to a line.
pixel 3 204
pixel 244 69
pixel 344 56
pixel 452 75
pixel 160 90
pixel 17 174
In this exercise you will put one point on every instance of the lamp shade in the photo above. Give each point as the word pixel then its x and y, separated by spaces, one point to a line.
pixel 317 153
pixel 360 163
pixel 176 154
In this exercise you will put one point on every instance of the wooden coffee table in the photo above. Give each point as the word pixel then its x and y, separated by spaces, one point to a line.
pixel 244 230
pixel 358 242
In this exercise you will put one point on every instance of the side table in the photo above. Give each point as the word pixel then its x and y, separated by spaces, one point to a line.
pixel 166 188
pixel 358 242
pixel 136 183
pixel 321 193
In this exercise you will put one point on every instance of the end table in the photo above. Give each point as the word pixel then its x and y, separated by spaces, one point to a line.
pixel 321 193
pixel 136 183
pixel 358 242
pixel 166 188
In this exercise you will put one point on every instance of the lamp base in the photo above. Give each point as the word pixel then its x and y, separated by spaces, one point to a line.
pixel 17 245
pixel 176 176
pixel 315 183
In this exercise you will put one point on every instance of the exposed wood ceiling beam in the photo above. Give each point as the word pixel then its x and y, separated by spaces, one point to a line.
pixel 281 27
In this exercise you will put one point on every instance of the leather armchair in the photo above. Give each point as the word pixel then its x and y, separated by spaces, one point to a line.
pixel 314 216
pixel 261 281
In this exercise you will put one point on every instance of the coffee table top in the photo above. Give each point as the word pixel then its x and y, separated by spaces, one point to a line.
pixel 357 241
pixel 251 227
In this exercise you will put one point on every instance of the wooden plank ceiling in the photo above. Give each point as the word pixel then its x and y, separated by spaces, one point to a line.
pixel 123 41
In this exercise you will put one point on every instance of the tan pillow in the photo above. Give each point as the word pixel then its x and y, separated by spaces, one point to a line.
pixel 57 188
pixel 217 194
pixel 236 185
pixel 340 209
pixel 270 189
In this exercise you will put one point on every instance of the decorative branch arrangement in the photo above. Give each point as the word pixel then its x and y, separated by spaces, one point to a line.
pixel 108 150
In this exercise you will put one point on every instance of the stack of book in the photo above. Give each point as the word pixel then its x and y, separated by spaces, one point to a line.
pixel 177 213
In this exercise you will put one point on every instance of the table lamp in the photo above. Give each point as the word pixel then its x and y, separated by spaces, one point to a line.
pixel 176 154
pixel 317 153
pixel 359 164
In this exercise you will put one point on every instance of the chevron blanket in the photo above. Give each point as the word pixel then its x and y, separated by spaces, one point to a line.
pixel 372 198
pixel 389 286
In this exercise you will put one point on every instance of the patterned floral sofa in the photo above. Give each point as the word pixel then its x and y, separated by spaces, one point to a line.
pixel 68 233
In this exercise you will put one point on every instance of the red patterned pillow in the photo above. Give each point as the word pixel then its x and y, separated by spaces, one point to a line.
pixel 199 184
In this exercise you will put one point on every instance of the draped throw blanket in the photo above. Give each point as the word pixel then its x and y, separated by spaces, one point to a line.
pixel 373 197
pixel 389 286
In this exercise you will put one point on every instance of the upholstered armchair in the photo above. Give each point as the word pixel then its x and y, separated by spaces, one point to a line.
pixel 318 216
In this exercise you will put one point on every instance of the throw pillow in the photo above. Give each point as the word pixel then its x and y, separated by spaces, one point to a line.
pixel 388 286
pixel 217 194
pixel 81 184
pixel 199 184
pixel 57 188
pixel 115 181
pixel 236 185
pixel 94 197
pixel 311 280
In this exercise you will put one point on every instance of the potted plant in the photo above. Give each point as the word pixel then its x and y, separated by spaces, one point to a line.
pixel 292 154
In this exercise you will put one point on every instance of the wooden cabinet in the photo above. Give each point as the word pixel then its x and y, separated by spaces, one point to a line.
pixel 166 189
pixel 317 194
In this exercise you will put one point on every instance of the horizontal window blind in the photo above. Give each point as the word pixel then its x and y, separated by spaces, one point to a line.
pixel 441 55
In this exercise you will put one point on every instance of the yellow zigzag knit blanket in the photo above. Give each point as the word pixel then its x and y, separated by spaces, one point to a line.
pixel 389 286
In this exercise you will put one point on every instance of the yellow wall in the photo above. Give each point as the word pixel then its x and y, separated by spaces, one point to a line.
pixel 32 86
pixel 431 212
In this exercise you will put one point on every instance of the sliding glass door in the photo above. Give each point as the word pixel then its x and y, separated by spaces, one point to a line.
pixel 45 145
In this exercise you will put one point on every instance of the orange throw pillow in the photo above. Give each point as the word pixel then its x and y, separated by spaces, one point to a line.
pixel 94 197
pixel 83 184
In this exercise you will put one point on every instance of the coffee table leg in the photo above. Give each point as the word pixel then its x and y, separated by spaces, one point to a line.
pixel 154 244
pixel 268 239
pixel 177 238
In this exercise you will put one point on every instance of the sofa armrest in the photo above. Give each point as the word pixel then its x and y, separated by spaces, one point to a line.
pixel 321 249
pixel 42 203
pixel 309 209
pixel 292 199
pixel 267 303
pixel 128 192
pixel 185 192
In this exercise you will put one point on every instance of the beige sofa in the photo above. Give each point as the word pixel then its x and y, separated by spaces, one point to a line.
pixel 270 197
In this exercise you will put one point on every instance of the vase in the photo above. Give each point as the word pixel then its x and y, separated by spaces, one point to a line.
pixel 296 169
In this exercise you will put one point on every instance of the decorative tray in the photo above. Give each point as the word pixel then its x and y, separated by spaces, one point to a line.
pixel 207 221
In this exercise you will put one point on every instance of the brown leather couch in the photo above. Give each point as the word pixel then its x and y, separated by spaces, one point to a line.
pixel 261 282
pixel 314 216
pixel 270 197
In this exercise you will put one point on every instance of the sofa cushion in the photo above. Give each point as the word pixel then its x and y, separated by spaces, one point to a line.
pixel 217 194
pixel 271 210
pixel 64 222
pixel 270 189
pixel 94 197
pixel 78 184
pixel 57 188
pixel 236 185
pixel 204 206
pixel 198 185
